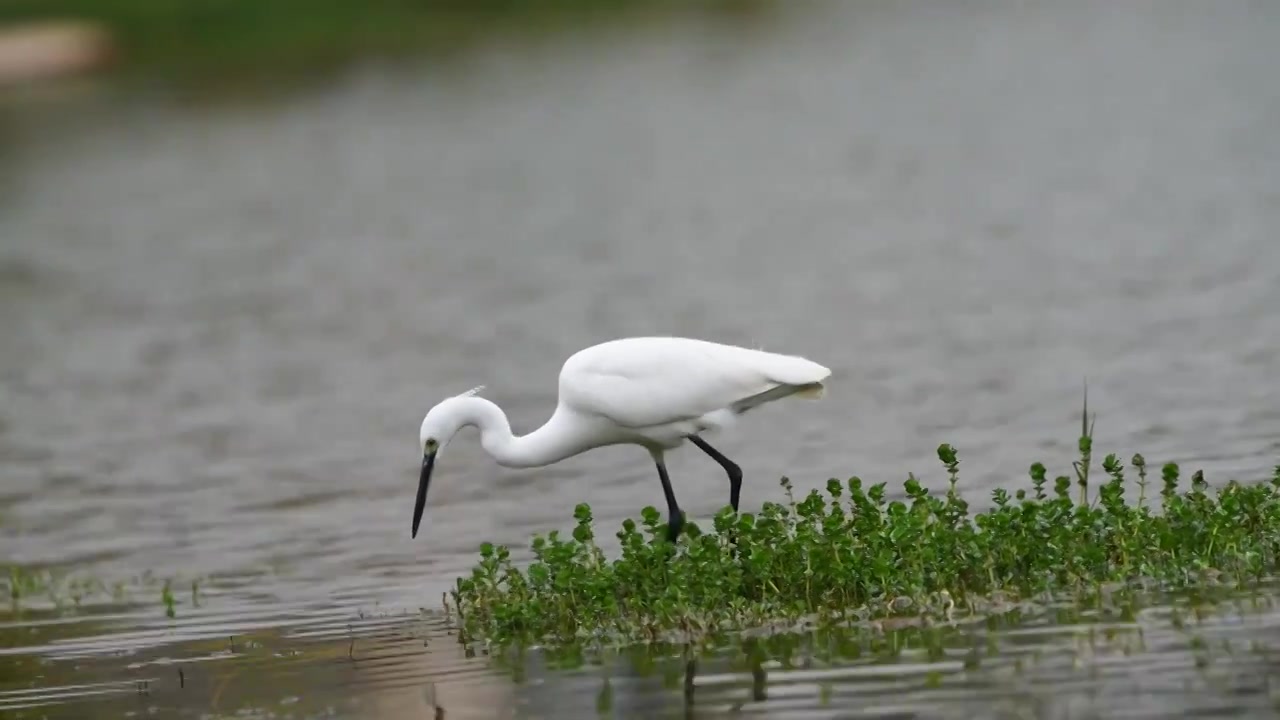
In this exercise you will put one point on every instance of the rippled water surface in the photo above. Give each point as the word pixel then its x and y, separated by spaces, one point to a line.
pixel 222 325
pixel 1181 658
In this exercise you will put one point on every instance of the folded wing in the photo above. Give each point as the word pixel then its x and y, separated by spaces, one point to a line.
pixel 642 382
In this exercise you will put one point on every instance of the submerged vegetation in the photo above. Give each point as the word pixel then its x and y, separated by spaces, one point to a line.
pixel 43 589
pixel 851 554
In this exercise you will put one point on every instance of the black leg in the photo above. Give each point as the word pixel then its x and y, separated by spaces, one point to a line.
pixel 675 518
pixel 730 467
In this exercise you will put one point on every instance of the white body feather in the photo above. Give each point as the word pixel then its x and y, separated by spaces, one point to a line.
pixel 661 389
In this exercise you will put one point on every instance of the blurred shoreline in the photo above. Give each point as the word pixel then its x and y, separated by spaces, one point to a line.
pixel 207 43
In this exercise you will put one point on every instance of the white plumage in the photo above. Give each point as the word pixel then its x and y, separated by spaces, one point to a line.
pixel 656 392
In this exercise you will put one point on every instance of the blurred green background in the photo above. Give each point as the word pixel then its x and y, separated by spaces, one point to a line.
pixel 237 41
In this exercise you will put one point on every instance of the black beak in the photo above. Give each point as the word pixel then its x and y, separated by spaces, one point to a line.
pixel 428 461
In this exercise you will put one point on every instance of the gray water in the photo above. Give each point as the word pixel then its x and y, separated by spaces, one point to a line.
pixel 223 323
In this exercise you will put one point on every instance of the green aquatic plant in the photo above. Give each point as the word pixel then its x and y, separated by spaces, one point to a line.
pixel 167 599
pixel 66 590
pixel 851 553
pixel 24 582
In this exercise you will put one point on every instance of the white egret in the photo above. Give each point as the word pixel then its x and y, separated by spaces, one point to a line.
pixel 655 392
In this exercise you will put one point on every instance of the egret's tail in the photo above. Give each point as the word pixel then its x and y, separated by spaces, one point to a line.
pixel 791 370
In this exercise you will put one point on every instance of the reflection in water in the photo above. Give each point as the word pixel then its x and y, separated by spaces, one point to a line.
pixel 306 661
pixel 1031 661
pixel 222 326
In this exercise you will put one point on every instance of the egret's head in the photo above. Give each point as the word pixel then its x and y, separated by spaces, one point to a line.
pixel 437 429
pixel 439 425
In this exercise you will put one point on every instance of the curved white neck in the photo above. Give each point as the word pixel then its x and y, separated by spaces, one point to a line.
pixel 552 442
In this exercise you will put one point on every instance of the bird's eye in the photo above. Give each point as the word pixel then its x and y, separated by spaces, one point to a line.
pixel 431 444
